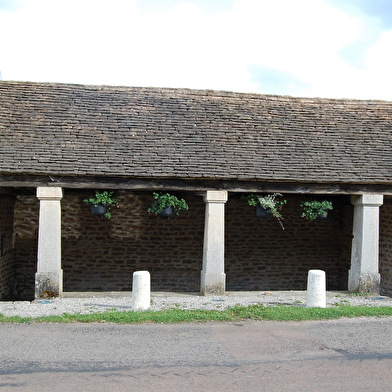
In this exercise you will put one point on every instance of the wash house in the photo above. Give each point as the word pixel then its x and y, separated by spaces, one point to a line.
pixel 60 143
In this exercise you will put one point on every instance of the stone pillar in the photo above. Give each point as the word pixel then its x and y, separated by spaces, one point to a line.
pixel 49 276
pixel 364 274
pixel 213 277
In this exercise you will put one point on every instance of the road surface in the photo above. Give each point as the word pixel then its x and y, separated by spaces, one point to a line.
pixel 343 355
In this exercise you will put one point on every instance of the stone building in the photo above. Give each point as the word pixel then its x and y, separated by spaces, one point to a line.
pixel 60 143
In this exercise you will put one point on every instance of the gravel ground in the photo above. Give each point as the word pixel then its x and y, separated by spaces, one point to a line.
pixel 84 303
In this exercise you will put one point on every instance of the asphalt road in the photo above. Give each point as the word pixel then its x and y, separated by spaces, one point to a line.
pixel 344 355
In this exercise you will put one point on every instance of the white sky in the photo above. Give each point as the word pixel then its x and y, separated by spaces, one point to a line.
pixel 287 47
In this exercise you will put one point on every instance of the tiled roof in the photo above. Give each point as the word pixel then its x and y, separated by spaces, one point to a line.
pixel 191 134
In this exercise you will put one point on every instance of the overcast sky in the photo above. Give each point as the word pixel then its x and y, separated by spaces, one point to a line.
pixel 306 48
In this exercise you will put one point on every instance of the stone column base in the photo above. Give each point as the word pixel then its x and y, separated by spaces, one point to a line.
pixel 213 284
pixel 365 283
pixel 48 284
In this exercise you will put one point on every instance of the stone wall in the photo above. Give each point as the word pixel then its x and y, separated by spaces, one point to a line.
pixel 7 254
pixel 26 240
pixel 386 247
pixel 262 256
pixel 101 254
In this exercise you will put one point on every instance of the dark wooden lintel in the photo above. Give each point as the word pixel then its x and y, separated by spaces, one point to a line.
pixel 192 185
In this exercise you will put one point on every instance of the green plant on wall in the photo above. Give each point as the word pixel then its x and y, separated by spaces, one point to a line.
pixel 268 202
pixel 104 198
pixel 163 200
pixel 316 209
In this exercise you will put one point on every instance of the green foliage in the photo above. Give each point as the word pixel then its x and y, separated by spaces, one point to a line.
pixel 280 312
pixel 315 209
pixel 104 198
pixel 269 203
pixel 163 200
pixel 360 294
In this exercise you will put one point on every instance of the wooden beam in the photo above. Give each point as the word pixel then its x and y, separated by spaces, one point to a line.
pixel 192 185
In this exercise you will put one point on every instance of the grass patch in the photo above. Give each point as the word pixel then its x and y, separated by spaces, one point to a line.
pixel 252 312
pixel 357 294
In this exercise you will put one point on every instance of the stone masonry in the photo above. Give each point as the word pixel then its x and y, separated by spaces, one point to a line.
pixel 101 255
pixel 386 247
pixel 7 251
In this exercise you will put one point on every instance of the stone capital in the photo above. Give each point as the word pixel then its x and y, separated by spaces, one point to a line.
pixel 367 200
pixel 215 197
pixel 49 193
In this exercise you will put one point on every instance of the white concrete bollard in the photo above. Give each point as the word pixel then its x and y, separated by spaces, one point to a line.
pixel 141 290
pixel 316 296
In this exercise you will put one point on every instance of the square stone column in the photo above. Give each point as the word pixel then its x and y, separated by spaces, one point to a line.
pixel 49 276
pixel 364 274
pixel 213 277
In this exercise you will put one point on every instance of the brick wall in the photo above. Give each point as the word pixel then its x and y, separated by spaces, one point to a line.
pixel 262 256
pixel 26 239
pixel 7 254
pixel 386 247
pixel 101 255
